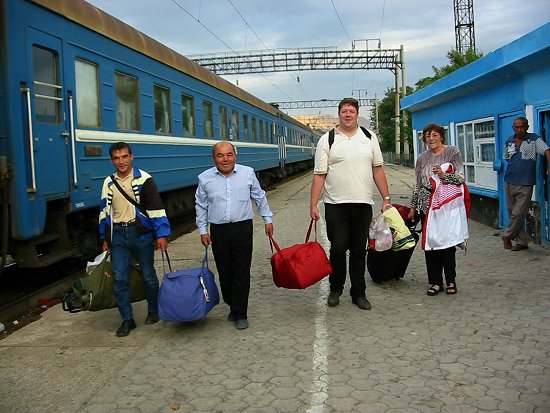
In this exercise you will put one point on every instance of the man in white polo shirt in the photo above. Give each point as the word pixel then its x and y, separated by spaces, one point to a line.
pixel 347 169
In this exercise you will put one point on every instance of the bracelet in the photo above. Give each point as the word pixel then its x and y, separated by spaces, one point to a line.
pixel 387 198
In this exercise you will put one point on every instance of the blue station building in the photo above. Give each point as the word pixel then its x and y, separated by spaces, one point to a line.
pixel 477 105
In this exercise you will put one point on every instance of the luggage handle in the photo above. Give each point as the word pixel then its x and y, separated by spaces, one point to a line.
pixel 165 253
pixel 162 254
pixel 309 230
pixel 272 242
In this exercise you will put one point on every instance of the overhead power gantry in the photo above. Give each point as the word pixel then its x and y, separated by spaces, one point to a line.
pixel 314 58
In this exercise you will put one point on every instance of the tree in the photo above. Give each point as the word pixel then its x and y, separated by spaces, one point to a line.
pixel 386 106
pixel 386 121
pixel 456 61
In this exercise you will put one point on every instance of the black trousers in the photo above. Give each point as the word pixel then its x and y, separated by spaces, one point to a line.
pixel 348 230
pixel 232 248
pixel 439 261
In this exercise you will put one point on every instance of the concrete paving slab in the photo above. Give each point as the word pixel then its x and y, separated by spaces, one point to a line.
pixel 485 349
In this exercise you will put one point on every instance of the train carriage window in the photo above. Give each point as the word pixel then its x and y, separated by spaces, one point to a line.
pixel 188 115
pixel 234 125
pixel 163 118
pixel 127 107
pixel 223 123
pixel 262 136
pixel 245 127
pixel 87 94
pixel 254 131
pixel 208 115
pixel 47 88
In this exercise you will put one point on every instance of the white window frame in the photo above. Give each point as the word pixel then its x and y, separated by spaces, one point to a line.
pixel 478 171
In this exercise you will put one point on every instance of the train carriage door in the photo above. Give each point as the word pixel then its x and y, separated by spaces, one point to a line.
pixel 47 132
pixel 281 143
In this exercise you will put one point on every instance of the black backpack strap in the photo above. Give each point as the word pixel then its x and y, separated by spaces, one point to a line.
pixel 131 200
pixel 331 136
pixel 366 132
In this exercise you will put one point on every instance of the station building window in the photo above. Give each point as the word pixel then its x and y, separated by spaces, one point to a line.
pixel 127 107
pixel 163 118
pixel 476 141
pixel 47 87
pixel 208 119
pixel 87 94
pixel 420 142
pixel 188 115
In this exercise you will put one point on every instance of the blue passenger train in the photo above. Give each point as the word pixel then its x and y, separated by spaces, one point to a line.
pixel 73 80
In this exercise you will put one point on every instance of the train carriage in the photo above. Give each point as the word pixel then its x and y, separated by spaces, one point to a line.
pixel 73 80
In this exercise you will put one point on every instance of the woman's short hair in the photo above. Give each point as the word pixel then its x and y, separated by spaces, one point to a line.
pixel 433 127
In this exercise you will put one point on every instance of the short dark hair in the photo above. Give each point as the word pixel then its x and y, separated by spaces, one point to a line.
pixel 118 146
pixel 433 127
pixel 349 101
pixel 523 119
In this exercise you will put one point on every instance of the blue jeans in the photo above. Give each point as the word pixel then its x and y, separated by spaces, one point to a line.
pixel 126 244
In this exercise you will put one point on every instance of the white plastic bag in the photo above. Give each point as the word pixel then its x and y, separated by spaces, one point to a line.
pixel 380 233
pixel 97 260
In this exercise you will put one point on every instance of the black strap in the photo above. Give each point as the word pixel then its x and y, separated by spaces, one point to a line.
pixel 130 199
pixel 331 136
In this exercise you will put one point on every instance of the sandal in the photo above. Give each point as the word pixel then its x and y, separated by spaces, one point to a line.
pixel 451 289
pixel 434 290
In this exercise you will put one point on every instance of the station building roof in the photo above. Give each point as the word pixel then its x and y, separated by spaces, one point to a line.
pixel 522 56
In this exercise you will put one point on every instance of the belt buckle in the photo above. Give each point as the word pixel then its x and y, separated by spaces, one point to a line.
pixel 127 224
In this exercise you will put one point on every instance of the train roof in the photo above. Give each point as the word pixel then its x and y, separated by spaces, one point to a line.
pixel 103 23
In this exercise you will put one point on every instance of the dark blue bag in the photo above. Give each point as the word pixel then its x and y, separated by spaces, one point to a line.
pixel 189 294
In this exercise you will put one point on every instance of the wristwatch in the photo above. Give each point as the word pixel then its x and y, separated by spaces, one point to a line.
pixel 387 198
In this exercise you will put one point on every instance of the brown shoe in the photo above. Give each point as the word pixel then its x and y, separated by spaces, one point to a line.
pixel 507 243
pixel 519 247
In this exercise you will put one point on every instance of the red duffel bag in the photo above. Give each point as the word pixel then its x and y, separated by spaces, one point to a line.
pixel 301 265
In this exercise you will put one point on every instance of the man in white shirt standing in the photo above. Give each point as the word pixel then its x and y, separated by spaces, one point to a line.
pixel 347 170
pixel 224 199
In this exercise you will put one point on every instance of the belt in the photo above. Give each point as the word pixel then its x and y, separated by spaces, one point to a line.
pixel 126 224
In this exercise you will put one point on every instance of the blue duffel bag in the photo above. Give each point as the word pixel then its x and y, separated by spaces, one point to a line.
pixel 189 294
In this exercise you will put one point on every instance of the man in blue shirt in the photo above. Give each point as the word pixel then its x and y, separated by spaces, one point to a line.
pixel 224 200
pixel 521 152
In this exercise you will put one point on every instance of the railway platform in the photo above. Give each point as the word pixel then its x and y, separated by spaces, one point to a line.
pixel 485 349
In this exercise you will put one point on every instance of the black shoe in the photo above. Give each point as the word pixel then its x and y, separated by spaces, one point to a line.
pixel 125 328
pixel 152 318
pixel 241 324
pixel 333 298
pixel 361 302
pixel 230 317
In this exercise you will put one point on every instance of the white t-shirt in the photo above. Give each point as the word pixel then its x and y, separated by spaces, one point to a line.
pixel 348 166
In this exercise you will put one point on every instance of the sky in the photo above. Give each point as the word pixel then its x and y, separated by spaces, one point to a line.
pixel 425 29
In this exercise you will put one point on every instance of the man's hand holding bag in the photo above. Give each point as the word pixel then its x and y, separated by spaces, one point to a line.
pixel 301 265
